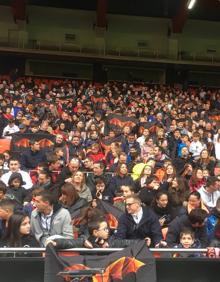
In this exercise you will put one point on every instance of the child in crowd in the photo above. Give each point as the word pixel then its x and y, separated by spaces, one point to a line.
pixel 187 241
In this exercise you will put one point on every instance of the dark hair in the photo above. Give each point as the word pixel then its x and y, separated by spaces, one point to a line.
pixel 197 216
pixel 47 197
pixel 94 225
pixel 7 204
pixel 72 195
pixel 187 231
pixel 3 187
pixel 99 180
pixel 13 159
pixel 13 236
pixel 196 194
pixel 211 180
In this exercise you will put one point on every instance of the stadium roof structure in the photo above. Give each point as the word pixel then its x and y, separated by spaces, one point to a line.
pixel 203 10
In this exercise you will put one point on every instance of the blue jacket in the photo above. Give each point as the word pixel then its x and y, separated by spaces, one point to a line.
pixel 149 226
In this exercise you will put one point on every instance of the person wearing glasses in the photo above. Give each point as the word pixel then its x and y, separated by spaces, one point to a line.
pixel 139 223
pixel 99 237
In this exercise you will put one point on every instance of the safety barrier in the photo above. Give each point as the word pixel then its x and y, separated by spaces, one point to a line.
pixel 31 269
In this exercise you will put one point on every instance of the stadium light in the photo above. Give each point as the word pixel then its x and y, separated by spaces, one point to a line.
pixel 191 4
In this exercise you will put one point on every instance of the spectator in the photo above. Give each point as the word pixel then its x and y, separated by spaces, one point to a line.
pixel 31 158
pixel 7 207
pixel 49 219
pixel 194 221
pixel 14 166
pixel 18 233
pixel 71 200
pixel 210 192
pixel 139 223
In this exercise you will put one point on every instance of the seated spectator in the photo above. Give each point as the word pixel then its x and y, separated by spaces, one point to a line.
pixel 97 172
pixel 195 221
pixel 78 181
pixel 18 233
pixel 49 219
pixel 193 202
pixel 121 178
pixel 177 193
pixel 184 159
pixel 125 191
pixel 88 165
pixel 146 173
pixel 210 192
pixel 196 146
pixel 99 238
pixel 3 190
pixel 71 200
pixel 14 166
pixel 187 241
pixel 139 223
pixel 162 208
pixel 206 162
pixel 197 180
pixel 213 225
pixel 10 129
pixel 95 153
pixel 15 189
pixel 7 208
pixel 147 193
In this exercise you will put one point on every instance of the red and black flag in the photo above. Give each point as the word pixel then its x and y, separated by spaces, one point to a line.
pixel 21 141
pixel 106 142
pixel 112 213
pixel 116 122
pixel 149 125
pixel 132 264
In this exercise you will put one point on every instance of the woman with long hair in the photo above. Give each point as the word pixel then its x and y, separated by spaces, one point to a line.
pixel 71 200
pixel 121 178
pixel 79 183
pixel 197 180
pixel 18 232
pixel 146 173
pixel 162 208
pixel 177 193
pixel 206 162
pixel 194 201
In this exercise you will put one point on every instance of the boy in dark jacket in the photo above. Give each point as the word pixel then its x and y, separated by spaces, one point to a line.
pixel 99 238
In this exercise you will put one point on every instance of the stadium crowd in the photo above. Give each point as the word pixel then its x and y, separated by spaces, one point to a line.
pixel 122 162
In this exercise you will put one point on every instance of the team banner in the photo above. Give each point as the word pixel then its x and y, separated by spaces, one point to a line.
pixel 106 142
pixel 21 141
pixel 116 122
pixel 112 213
pixel 149 125
pixel 132 264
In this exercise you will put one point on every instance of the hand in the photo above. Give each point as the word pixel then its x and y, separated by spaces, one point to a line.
pixel 148 241
pixel 68 180
pixel 161 221
pixel 50 242
pixel 161 244
pixel 87 244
